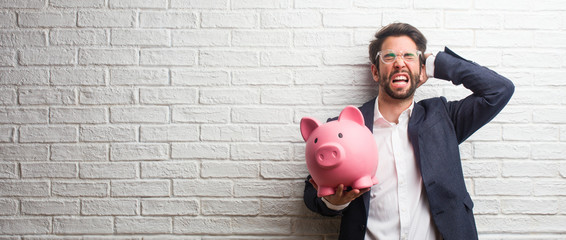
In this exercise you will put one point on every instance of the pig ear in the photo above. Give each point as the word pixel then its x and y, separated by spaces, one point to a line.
pixel 307 126
pixel 353 114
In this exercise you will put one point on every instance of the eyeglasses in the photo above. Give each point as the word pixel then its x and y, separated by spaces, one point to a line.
pixel 389 56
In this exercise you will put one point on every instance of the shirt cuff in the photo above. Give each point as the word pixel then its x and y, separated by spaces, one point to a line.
pixel 429 64
pixel 335 207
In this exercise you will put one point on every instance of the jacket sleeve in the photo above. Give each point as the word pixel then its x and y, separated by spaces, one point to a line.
pixel 314 203
pixel 491 92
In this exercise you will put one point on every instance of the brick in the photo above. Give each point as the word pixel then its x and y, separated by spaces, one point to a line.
pixel 231 133
pixel 549 187
pixel 524 225
pixel 501 150
pixel 16 188
pixel 283 170
pixel 36 77
pixel 119 170
pixel 317 226
pixel 135 114
pixel 100 19
pixel 522 59
pixel 224 169
pixel 504 187
pixel 77 4
pixel 549 115
pixel 262 151
pixel 358 19
pixel 266 4
pixel 546 39
pixel 79 189
pixel 197 4
pixel 78 37
pixel 196 38
pixel 140 37
pixel 138 151
pixel 201 225
pixel 109 207
pixel 8 96
pixel 548 78
pixel 531 21
pixel 497 38
pixel 286 133
pixel 200 150
pixel 261 115
pixel 287 19
pixel 463 38
pixel 79 152
pixel 444 4
pixel 8 207
pixel 49 170
pixel 169 133
pixel 115 56
pixel 170 207
pixel 50 207
pixel 547 151
pixel 529 206
pixel 9 171
pixel 229 19
pixel 138 188
pixel 25 225
pixel 47 56
pixel 8 58
pixel 7 19
pixel 48 134
pixel 24 152
pixel 290 58
pixel 169 170
pixel 22 38
pixel 261 225
pixel 176 95
pixel 295 96
pixel 484 169
pixel 506 5
pixel 286 207
pixel 262 77
pixel 52 96
pixel 262 189
pixel 254 38
pixel 82 225
pixel 156 4
pixel 200 114
pixel 352 56
pixel 168 19
pixel 530 96
pixel 322 38
pixel 139 76
pixel 483 21
pixel 47 19
pixel 489 132
pixel 174 57
pixel 230 58
pixel 528 133
pixel 199 78
pixel 79 115
pixel 227 207
pixel 323 4
pixel 77 77
pixel 103 96
pixel 204 188
pixel 419 19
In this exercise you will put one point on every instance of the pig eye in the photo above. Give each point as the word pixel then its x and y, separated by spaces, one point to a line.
pixel 340 135
pixel 315 140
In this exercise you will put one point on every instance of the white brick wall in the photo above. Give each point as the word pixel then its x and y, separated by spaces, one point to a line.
pixel 178 119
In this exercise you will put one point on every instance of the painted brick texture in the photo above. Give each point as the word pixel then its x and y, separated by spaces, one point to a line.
pixel 179 119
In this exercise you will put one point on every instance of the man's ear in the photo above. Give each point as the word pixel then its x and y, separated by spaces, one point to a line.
pixel 375 73
pixel 423 76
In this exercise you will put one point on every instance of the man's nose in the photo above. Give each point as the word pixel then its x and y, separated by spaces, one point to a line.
pixel 399 62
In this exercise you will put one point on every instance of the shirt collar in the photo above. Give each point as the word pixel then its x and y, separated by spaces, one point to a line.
pixel 377 115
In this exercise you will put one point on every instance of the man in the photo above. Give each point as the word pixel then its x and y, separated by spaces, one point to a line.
pixel 421 192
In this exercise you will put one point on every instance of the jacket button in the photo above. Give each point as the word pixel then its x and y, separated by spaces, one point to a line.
pixel 363 227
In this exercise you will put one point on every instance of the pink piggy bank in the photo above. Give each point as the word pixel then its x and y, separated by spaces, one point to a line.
pixel 340 152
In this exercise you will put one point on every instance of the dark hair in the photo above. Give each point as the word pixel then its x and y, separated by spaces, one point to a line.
pixel 396 30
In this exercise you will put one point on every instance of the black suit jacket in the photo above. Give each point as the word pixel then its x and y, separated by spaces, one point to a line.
pixel 436 128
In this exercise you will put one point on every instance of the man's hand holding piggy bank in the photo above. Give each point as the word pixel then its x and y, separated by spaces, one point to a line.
pixel 340 154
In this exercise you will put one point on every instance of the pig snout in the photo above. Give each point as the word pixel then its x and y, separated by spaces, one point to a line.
pixel 329 155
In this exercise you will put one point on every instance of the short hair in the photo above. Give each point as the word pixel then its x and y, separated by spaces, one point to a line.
pixel 396 30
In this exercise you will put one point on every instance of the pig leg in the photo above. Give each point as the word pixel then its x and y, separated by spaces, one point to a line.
pixel 325 191
pixel 363 182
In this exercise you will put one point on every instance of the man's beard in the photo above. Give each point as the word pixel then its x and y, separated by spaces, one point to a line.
pixel 386 85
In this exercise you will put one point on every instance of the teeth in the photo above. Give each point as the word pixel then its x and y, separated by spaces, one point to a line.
pixel 403 78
